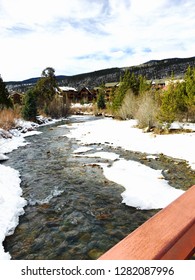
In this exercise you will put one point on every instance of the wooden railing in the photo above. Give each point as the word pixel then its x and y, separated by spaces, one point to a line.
pixel 168 235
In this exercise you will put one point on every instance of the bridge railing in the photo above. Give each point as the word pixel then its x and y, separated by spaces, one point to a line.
pixel 168 235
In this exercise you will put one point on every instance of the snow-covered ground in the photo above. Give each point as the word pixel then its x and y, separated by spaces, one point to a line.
pixel 11 202
pixel 124 134
pixel 144 187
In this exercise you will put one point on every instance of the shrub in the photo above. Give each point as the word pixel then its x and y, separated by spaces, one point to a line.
pixel 147 111
pixel 7 118
pixel 58 107
pixel 129 106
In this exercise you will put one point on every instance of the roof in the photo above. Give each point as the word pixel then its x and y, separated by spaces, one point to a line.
pixel 114 84
pixel 64 88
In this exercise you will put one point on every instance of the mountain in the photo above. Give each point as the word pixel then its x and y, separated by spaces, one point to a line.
pixel 153 69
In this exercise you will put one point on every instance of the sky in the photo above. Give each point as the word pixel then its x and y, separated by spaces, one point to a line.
pixel 80 36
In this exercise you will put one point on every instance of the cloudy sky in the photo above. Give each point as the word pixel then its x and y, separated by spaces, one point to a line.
pixel 79 36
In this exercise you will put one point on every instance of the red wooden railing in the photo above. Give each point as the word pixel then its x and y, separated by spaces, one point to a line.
pixel 168 235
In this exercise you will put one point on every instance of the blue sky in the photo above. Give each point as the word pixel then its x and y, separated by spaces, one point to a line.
pixel 80 36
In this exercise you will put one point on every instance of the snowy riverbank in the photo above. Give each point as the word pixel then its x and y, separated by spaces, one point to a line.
pixel 149 189
pixel 145 188
pixel 124 134
pixel 11 201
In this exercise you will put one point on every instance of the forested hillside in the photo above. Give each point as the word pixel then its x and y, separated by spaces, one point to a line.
pixel 155 69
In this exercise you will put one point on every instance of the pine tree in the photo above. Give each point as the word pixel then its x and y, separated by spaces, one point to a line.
pixel 168 108
pixel 143 85
pixel 5 101
pixel 174 106
pixel 101 100
pixel 128 82
pixel 29 111
pixel 190 91
pixel 119 95
pixel 46 87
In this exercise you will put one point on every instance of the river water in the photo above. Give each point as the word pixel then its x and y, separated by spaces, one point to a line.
pixel 73 211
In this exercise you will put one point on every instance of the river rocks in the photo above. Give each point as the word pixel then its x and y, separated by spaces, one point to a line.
pixel 62 248
pixel 103 216
pixel 5 134
pixel 86 217
pixel 85 237
pixel 94 254
pixel 37 245
pixel 43 120
pixel 52 224
pixel 75 218
pixel 72 236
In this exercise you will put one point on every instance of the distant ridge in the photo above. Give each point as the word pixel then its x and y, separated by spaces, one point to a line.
pixel 169 61
pixel 153 69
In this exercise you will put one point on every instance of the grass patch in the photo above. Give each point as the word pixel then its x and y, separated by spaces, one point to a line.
pixel 7 118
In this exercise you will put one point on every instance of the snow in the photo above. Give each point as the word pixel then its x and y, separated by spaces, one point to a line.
pixel 82 150
pixel 11 202
pixel 78 105
pixel 124 134
pixel 145 188
pixel 3 157
pixel 151 157
pixel 64 88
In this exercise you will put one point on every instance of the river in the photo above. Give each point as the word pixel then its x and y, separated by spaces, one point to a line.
pixel 73 211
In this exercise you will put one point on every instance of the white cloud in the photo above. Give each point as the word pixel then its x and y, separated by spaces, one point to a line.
pixel 83 35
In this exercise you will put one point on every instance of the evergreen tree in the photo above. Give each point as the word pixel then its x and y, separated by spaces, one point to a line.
pixel 190 91
pixel 174 105
pixel 143 85
pixel 46 87
pixel 100 99
pixel 134 84
pixel 119 94
pixel 128 82
pixel 29 110
pixel 5 101
pixel 168 109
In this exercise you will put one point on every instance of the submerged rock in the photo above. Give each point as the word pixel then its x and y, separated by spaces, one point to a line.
pixel 95 253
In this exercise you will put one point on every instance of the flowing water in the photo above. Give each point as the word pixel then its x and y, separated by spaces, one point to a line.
pixel 73 211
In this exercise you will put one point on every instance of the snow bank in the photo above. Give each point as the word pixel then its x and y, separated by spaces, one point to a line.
pixel 145 188
pixel 79 105
pixel 82 150
pixel 124 134
pixel 11 204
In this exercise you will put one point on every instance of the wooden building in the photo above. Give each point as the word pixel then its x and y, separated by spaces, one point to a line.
pixel 69 92
pixel 16 97
pixel 108 88
pixel 85 95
